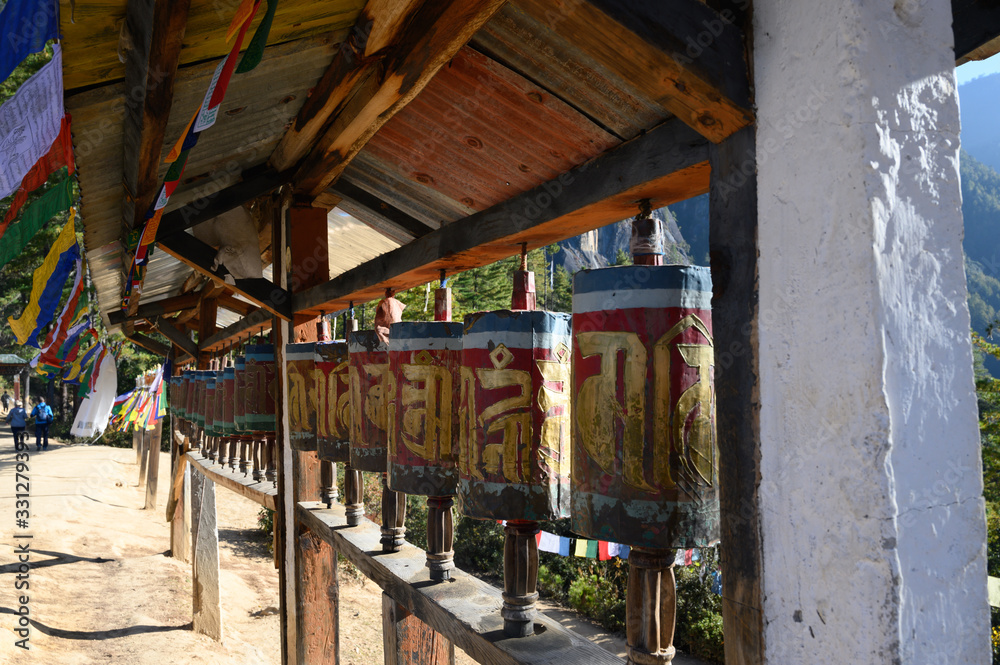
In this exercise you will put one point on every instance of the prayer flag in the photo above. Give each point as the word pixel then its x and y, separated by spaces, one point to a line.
pixel 58 332
pixel 687 557
pixel 614 549
pixel 47 286
pixel 30 122
pixel 591 549
pixel 58 156
pixel 55 200
pixel 563 546
pixel 549 542
pixel 581 548
pixel 602 550
pixel 25 26
pixel 623 554
pixel 679 558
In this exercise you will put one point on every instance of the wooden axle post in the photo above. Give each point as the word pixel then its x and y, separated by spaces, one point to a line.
pixel 328 483
pixel 354 487
pixel 393 517
pixel 271 468
pixel 651 607
pixel 520 578
pixel 258 464
pixel 440 537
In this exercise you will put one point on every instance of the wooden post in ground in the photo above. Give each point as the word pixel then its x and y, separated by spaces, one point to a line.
pixel 409 641
pixel 143 456
pixel 137 444
pixel 207 618
pixel 153 464
pixel 180 524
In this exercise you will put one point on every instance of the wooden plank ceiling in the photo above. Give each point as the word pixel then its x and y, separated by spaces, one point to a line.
pixel 422 118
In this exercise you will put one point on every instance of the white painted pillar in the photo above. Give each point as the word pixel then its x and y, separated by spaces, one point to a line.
pixel 871 488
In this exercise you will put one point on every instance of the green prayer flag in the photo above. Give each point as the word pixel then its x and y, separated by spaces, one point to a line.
pixel 591 549
pixel 255 51
pixel 33 218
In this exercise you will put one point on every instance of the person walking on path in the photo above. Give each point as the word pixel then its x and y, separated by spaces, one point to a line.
pixel 43 417
pixel 18 419
pixel 5 399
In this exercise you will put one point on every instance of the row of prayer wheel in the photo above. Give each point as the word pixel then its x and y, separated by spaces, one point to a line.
pixel 605 416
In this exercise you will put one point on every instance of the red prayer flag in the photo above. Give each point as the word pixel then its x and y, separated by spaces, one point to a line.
pixel 602 550
pixel 60 154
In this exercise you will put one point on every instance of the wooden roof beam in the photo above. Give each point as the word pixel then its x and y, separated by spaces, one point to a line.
pixel 149 344
pixel 200 256
pixel 256 322
pixel 406 44
pixel 216 203
pixel 176 335
pixel 681 53
pixel 234 305
pixel 385 218
pixel 666 165
pixel 156 32
pixel 157 308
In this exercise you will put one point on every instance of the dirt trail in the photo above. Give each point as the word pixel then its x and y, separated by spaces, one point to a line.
pixel 102 589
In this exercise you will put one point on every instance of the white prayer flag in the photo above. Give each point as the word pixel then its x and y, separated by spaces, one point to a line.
pixel 549 543
pixel 30 122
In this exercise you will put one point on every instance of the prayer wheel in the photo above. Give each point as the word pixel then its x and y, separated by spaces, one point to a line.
pixel 514 429
pixel 225 413
pixel 368 367
pixel 645 461
pixel 424 363
pixel 333 403
pixel 300 364
pixel 514 416
pixel 259 398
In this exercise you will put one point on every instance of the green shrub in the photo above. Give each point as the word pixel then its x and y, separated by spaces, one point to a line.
pixel 705 638
pixel 479 547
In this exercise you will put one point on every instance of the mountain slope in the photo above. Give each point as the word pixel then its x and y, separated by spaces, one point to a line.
pixel 979 100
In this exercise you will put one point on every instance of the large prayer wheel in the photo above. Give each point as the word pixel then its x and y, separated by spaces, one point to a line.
pixel 424 363
pixel 645 464
pixel 300 362
pixel 514 422
pixel 368 359
pixel 333 403
pixel 211 380
pixel 261 376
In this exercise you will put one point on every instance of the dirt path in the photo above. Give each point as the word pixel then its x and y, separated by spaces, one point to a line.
pixel 102 590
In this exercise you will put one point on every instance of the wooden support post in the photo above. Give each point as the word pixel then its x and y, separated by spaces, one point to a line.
pixel 180 525
pixel 651 607
pixel 137 444
pixel 318 632
pixel 143 457
pixel 328 482
pixel 733 253
pixel 440 537
pixel 393 517
pixel 520 578
pixel 205 560
pixel 409 641
pixel 354 488
pixel 153 464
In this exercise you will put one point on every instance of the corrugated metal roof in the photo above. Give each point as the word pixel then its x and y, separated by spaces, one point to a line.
pixel 352 242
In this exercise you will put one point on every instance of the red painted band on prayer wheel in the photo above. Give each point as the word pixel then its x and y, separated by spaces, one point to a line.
pixel 211 378
pixel 201 380
pixel 424 362
pixel 645 463
pixel 226 401
pixel 261 386
pixel 240 396
pixel 300 364
pixel 514 416
pixel 333 402
pixel 368 359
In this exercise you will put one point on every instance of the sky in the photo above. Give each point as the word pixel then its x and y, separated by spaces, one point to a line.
pixel 977 68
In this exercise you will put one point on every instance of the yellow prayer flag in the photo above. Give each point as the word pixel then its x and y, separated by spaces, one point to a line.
pixel 581 548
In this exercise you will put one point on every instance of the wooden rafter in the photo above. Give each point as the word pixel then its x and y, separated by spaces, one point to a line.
pixel 149 344
pixel 176 335
pixel 200 256
pixel 391 221
pixel 255 322
pixel 668 164
pixel 405 45
pixel 976 25
pixel 156 31
pixel 216 203
pixel 705 85
pixel 157 308
pixel 234 305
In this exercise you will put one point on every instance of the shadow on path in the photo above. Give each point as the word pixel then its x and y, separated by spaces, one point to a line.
pixel 58 559
pixel 98 634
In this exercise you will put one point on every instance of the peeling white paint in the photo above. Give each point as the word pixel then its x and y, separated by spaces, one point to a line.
pixel 871 486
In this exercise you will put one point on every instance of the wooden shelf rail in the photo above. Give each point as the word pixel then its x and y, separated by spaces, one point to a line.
pixel 465 610
pixel 262 492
